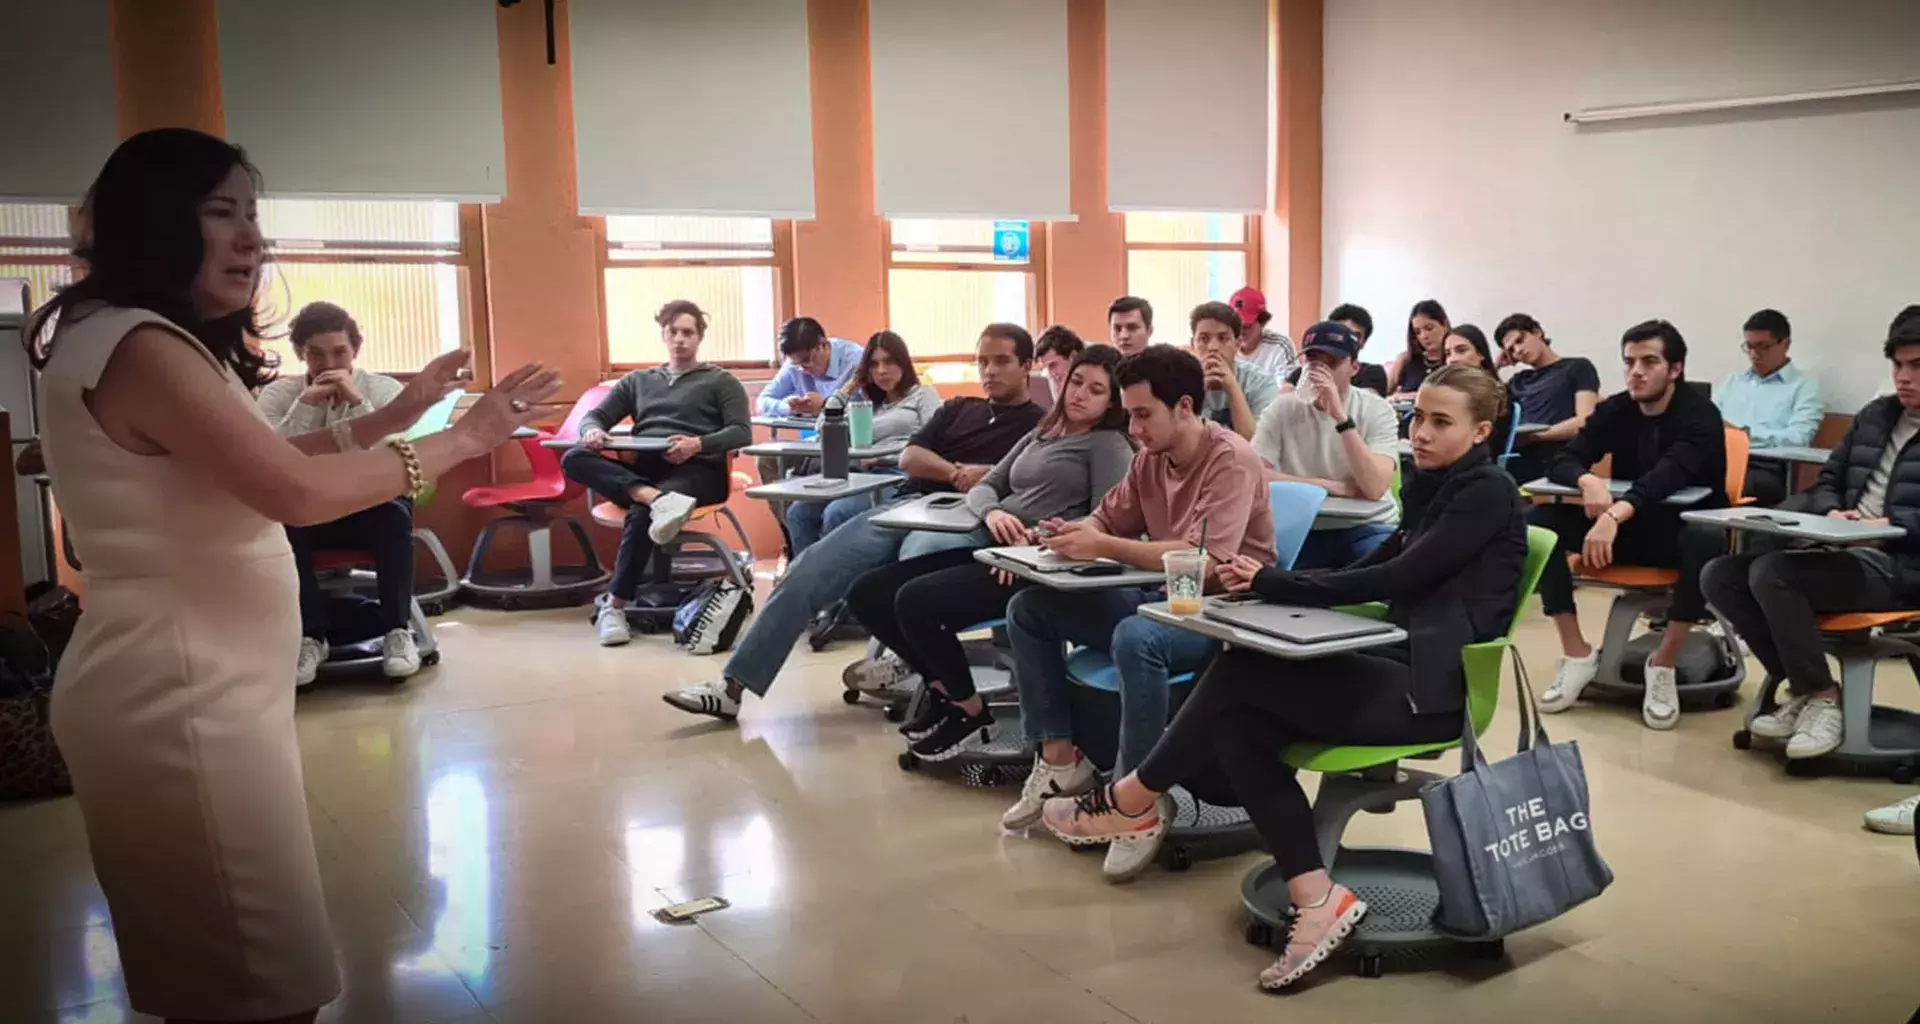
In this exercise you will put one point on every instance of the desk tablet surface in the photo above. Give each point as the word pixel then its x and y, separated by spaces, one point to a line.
pixel 1353 510
pixel 784 422
pixel 818 488
pixel 1292 623
pixel 616 443
pixel 1617 488
pixel 1805 526
pixel 1265 643
pixel 811 449
pixel 1040 566
pixel 1792 453
pixel 940 513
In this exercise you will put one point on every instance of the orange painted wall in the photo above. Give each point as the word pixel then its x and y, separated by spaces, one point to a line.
pixel 166 61
pixel 1086 259
pixel 1290 237
pixel 839 256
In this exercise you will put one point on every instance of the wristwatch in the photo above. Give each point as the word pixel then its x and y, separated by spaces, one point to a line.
pixel 1343 426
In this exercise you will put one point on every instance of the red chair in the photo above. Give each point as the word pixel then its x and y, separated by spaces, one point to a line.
pixel 537 506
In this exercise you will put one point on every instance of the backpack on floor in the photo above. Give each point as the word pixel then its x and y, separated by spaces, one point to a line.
pixel 711 617
pixel 1704 658
pixel 30 763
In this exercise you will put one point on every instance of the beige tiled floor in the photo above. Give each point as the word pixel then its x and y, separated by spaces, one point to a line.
pixel 494 835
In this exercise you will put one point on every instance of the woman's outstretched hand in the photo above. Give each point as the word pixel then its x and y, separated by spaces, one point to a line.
pixel 512 404
pixel 435 381
pixel 1236 574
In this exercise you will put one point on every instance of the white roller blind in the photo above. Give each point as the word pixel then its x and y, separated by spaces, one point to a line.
pixel 1187 123
pixel 970 108
pixel 693 107
pixel 57 74
pixel 393 99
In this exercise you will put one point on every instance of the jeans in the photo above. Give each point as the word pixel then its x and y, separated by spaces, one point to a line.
pixel 1041 621
pixel 703 480
pixel 1656 538
pixel 384 531
pixel 1249 706
pixel 808 521
pixel 818 578
pixel 918 606
pixel 1773 600
pixel 1337 549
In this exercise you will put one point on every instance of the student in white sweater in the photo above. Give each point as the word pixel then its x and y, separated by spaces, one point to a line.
pixel 901 406
pixel 330 394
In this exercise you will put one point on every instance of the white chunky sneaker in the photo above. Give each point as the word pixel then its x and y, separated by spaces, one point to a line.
pixel 1660 706
pixel 1133 852
pixel 705 699
pixel 1895 819
pixel 1779 724
pixel 611 623
pixel 399 654
pixel 1818 731
pixel 670 512
pixel 884 675
pixel 1570 677
pixel 313 653
pixel 1043 782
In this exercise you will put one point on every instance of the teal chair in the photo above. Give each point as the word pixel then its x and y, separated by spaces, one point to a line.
pixel 1397 884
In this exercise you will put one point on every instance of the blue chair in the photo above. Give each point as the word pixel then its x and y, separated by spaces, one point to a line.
pixel 1513 435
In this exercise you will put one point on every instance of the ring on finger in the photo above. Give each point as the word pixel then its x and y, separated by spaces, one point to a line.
pixel 518 406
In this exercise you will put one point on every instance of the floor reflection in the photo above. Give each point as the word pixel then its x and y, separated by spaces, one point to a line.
pixel 458 859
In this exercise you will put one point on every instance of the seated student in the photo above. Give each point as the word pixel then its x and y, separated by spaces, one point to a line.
pixel 1467 345
pixel 953 452
pixel 1772 598
pixel 1191 477
pixel 817 366
pixel 331 393
pixel 916 607
pixel 1557 390
pixel 1237 391
pixel 1663 436
pixel 1337 437
pixel 1054 350
pixel 1776 404
pixel 901 406
pixel 1130 324
pixel 1427 327
pixel 1450 576
pixel 698 407
pixel 1260 344
pixel 1371 376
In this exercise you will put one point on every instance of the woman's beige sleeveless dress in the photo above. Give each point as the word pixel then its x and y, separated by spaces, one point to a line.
pixel 174 709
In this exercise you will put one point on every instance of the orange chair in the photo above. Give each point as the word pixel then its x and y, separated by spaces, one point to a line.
pixel 738 561
pixel 1647 591
pixel 1873 736
pixel 536 505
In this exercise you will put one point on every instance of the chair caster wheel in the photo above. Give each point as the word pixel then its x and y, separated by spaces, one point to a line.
pixel 1489 950
pixel 1179 858
pixel 1725 700
pixel 850 696
pixel 509 604
pixel 430 659
pixel 1743 740
pixel 1902 774
pixel 909 761
pixel 1803 769
pixel 1259 933
pixel 433 609
pixel 1370 967
pixel 895 712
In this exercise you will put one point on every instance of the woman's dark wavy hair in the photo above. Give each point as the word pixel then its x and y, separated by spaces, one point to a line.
pixel 1106 357
pixel 1478 339
pixel 1432 310
pixel 142 246
pixel 893 345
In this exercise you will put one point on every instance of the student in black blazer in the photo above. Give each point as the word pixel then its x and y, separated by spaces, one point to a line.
pixel 1450 577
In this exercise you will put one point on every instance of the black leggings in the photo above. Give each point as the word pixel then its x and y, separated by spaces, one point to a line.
pixel 384 531
pixel 918 607
pixel 1248 707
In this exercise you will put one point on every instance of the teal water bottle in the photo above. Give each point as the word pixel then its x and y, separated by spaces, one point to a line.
pixel 860 419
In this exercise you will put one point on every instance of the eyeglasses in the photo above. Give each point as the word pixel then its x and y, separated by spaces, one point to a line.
pixel 1760 349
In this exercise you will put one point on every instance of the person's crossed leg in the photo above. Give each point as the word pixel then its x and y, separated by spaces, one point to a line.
pixel 657 496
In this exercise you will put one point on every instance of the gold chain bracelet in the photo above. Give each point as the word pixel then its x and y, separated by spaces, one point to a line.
pixel 416 478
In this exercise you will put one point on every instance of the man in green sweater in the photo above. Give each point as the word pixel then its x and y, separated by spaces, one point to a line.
pixel 700 410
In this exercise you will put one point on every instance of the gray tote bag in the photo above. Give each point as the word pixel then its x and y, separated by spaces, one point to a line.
pixel 1513 842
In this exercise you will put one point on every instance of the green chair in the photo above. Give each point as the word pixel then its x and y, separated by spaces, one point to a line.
pixel 1397 884
pixel 436 600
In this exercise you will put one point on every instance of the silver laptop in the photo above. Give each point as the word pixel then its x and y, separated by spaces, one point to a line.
pixel 1039 559
pixel 1294 624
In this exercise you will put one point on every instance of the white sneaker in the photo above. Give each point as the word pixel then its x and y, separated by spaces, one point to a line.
pixel 1818 731
pixel 1660 706
pixel 884 675
pixel 1043 782
pixel 1895 819
pixel 313 653
pixel 400 656
pixel 1780 723
pixel 1128 855
pixel 705 699
pixel 1570 677
pixel 670 512
pixel 612 625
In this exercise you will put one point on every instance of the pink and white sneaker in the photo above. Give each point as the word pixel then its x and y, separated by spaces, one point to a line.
pixel 1317 931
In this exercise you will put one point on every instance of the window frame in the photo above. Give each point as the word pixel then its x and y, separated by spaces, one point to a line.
pixel 64 258
pixel 1249 246
pixel 1038 298
pixel 783 287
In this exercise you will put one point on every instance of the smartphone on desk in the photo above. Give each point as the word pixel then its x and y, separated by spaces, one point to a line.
pixel 1098 569
pixel 947 501
pixel 824 485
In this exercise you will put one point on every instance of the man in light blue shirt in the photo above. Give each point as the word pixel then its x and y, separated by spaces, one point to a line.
pixel 817 366
pixel 1776 404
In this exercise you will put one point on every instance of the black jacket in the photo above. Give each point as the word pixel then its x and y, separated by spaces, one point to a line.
pixel 1686 446
pixel 1844 479
pixel 1450 575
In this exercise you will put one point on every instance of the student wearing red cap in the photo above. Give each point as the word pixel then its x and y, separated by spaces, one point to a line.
pixel 1260 344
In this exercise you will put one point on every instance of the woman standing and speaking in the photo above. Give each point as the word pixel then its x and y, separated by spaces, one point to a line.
pixel 174 703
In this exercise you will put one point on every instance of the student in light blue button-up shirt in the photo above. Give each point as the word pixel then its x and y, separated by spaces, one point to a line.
pixel 817 366
pixel 1776 404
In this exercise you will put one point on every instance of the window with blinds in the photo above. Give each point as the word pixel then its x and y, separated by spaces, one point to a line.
pixel 737 269
pixel 35 245
pixel 1179 260
pixel 945 282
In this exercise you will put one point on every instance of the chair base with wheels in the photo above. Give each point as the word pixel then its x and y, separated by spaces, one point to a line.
pixel 342 573
pixel 1876 738
pixel 1646 593
pixel 990 658
pixel 677 567
pixel 1006 760
pixel 437 599
pixel 542 583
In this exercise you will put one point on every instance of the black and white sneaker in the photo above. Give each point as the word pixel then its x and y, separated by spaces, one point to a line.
pixel 706 699
pixel 957 733
pixel 933 711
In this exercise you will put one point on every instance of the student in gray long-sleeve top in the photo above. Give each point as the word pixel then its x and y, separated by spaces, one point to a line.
pixel 918 606
pixel 701 410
